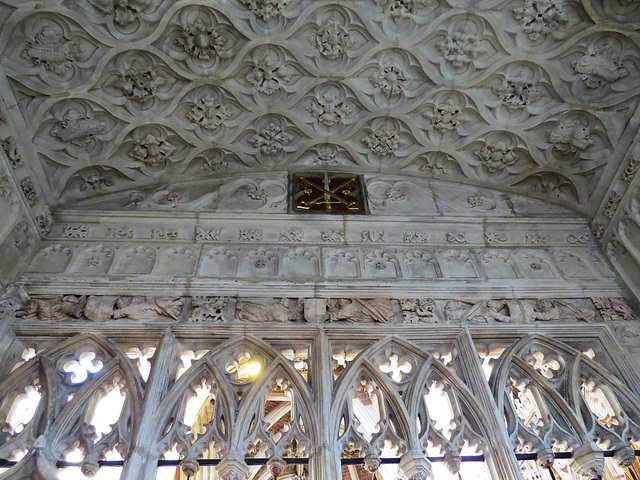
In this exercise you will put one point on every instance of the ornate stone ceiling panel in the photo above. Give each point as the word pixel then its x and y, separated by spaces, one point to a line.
pixel 123 100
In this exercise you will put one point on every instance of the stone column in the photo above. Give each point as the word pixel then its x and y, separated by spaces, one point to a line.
pixel 142 461
pixel 500 458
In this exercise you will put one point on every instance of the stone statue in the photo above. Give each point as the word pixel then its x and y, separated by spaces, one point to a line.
pixel 543 310
pixel 13 298
pixel 355 310
pixel 270 310
pixel 485 311
pixel 144 309
pixel 56 308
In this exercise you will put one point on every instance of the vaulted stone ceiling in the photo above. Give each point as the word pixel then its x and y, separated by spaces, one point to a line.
pixel 138 103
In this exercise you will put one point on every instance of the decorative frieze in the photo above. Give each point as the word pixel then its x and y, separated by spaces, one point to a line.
pixel 215 309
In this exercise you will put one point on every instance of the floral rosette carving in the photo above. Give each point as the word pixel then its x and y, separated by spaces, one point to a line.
pixel 138 81
pixel 391 77
pixel 542 24
pixel 271 140
pixel 387 141
pixel 462 47
pixel 519 91
pixel 151 150
pixel 448 116
pixel 270 74
pixel 326 155
pixel 202 40
pixel 209 112
pixel 498 156
pixel 333 36
pixel 403 16
pixel 330 106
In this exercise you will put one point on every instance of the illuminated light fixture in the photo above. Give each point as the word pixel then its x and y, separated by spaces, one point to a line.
pixel 244 368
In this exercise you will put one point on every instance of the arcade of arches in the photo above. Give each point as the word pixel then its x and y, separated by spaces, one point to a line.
pixel 319 239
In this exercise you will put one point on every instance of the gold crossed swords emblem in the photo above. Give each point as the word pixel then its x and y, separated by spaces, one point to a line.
pixel 327 197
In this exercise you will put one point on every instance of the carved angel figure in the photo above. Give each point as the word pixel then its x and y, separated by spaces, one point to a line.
pixel 484 312
pixel 354 310
pixel 559 310
pixel 270 310
pixel 56 308
pixel 144 309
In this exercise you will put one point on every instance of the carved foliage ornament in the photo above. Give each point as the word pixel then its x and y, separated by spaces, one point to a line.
pixel 391 80
pixel 208 113
pixel 383 141
pixel 200 41
pixel 271 140
pixel 332 40
pixel 139 83
pixel 329 109
pixel 539 18
pixel 266 9
pixel 460 48
pixel 497 156
pixel 152 150
pixel 124 12
pixel 269 75
pixel 397 9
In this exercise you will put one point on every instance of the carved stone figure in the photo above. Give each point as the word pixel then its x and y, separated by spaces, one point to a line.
pixel 52 50
pixel 600 68
pixel 77 128
pixel 269 310
pixel 148 308
pixel 558 310
pixel 13 298
pixel 55 308
pixel 140 309
pixel 355 310
pixel 570 137
pixel 486 311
